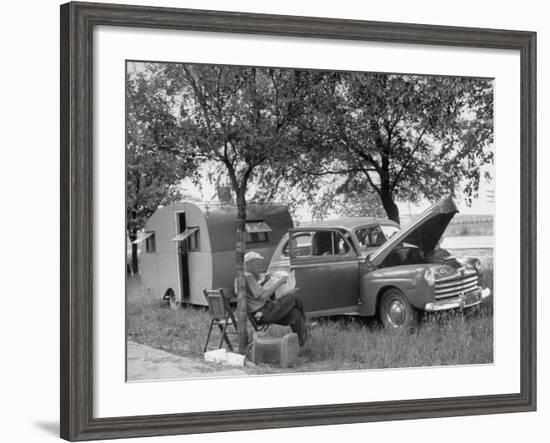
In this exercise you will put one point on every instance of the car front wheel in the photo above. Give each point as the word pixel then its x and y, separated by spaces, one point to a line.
pixel 395 310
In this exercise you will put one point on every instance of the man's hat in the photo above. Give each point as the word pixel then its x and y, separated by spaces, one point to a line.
pixel 252 256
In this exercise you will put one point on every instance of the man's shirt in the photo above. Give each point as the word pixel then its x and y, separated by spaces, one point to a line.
pixel 256 293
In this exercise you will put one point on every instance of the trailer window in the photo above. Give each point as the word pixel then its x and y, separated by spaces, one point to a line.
pixel 257 231
pixel 150 244
pixel 257 237
pixel 190 237
pixel 193 241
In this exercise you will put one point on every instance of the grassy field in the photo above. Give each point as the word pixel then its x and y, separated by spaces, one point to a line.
pixel 336 343
pixel 465 224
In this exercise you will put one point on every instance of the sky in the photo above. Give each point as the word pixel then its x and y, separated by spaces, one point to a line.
pixel 483 205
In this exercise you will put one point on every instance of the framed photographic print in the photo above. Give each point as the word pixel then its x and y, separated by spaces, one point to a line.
pixel 337 214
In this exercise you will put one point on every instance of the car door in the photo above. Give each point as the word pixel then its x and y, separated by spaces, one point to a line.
pixel 327 271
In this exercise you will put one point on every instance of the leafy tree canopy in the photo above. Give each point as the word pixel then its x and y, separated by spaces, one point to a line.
pixel 153 170
pixel 407 137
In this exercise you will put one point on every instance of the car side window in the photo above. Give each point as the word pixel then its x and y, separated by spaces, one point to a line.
pixel 342 245
pixel 301 245
pixel 330 243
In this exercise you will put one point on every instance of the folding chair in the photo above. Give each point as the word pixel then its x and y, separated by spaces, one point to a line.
pixel 222 316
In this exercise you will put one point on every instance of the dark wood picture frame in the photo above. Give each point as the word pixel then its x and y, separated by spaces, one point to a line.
pixel 77 23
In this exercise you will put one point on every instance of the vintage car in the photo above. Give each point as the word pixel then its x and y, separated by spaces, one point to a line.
pixel 368 266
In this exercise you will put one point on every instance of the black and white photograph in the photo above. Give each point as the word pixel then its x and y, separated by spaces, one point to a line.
pixel 286 220
pixel 260 222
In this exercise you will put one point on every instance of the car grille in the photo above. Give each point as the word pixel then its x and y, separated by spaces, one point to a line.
pixel 455 286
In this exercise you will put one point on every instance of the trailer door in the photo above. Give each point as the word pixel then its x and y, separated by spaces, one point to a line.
pixel 181 238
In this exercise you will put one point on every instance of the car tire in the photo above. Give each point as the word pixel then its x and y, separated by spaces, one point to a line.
pixel 396 313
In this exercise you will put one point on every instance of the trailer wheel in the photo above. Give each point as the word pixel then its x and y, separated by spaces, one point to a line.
pixel 170 296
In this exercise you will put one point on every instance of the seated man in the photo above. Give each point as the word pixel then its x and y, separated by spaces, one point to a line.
pixel 262 304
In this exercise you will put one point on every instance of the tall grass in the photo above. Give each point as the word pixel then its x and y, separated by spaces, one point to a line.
pixel 337 343
pixel 439 339
pixel 153 323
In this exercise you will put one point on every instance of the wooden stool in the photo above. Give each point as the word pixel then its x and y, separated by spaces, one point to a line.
pixel 275 350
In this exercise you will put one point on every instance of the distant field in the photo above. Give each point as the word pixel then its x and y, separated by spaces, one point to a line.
pixel 464 224
pixel 335 343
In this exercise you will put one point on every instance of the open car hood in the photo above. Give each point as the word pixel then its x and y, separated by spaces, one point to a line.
pixel 424 231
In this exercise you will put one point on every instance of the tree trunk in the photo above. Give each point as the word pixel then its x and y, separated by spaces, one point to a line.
pixel 385 191
pixel 390 207
pixel 242 316
pixel 135 263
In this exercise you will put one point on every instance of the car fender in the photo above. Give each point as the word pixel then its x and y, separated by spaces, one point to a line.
pixel 408 279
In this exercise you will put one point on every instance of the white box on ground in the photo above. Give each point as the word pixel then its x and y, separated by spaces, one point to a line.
pixel 222 356
pixel 216 356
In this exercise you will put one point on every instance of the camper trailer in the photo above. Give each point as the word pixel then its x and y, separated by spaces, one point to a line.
pixel 187 247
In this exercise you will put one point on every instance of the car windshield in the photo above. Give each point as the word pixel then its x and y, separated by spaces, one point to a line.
pixel 375 235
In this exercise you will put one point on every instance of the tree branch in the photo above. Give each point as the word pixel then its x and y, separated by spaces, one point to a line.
pixel 246 176
pixel 364 155
pixel 409 158
pixel 369 179
pixel 367 157
pixel 332 172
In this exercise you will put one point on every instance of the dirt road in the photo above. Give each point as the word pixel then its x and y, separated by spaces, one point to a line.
pixel 146 363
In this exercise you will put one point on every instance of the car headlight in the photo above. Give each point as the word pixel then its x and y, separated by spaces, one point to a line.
pixel 477 265
pixel 429 276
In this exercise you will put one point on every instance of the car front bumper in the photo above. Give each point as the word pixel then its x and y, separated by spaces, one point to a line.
pixel 462 301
